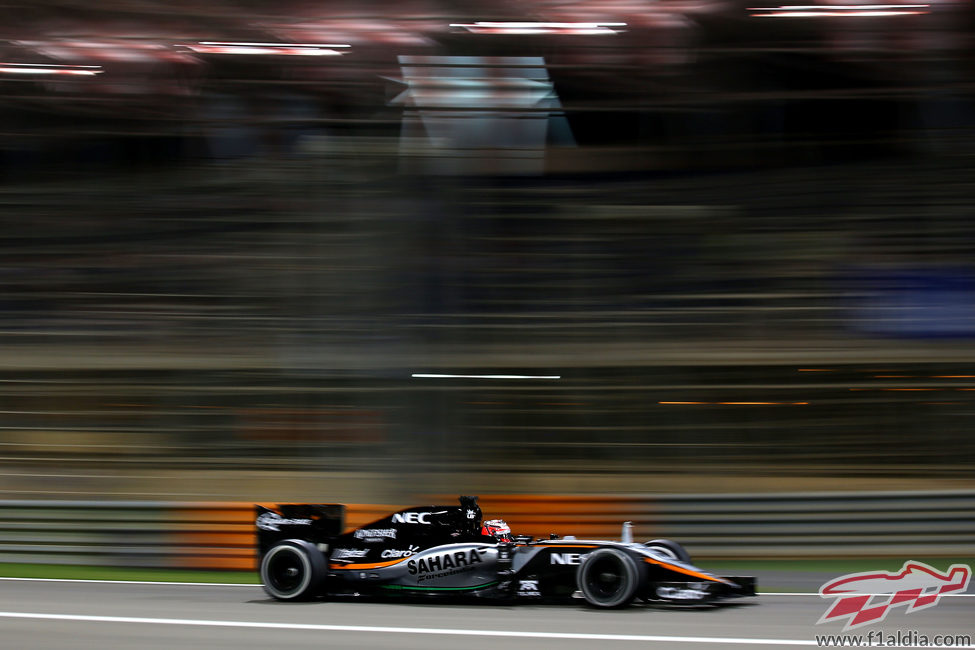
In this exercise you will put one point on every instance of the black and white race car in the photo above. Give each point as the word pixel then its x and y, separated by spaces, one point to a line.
pixel 449 552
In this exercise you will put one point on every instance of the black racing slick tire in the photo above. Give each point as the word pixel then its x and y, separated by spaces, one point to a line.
pixel 293 570
pixel 610 578
pixel 670 549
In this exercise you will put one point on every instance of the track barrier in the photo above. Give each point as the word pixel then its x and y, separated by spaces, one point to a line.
pixel 218 535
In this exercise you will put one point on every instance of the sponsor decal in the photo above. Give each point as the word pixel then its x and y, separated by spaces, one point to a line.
pixel 442 565
pixel 375 534
pixel 271 521
pixel 411 518
pixel 471 514
pixel 867 598
pixel 674 593
pixel 400 552
pixel 572 559
pixel 528 588
pixel 347 553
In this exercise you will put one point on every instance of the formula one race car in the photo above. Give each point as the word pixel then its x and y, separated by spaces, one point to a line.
pixel 448 552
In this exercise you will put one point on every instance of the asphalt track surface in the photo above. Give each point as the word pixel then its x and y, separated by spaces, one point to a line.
pixel 42 614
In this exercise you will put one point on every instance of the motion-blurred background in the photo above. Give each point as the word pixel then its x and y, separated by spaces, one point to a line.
pixel 724 246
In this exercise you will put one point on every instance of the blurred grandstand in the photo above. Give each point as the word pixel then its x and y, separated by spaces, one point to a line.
pixel 744 249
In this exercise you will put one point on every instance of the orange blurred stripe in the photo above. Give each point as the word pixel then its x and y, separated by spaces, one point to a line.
pixel 222 535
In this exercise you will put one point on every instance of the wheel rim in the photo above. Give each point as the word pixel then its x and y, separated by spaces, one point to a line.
pixel 605 578
pixel 286 571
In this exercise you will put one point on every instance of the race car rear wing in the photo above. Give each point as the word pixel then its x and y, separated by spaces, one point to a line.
pixel 316 523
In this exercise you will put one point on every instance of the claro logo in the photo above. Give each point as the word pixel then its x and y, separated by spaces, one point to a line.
pixel 411 518
pixel 400 552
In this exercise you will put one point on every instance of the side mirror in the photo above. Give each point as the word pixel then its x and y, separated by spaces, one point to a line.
pixel 627 535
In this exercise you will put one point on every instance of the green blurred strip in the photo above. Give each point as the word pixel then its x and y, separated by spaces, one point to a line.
pixel 71 572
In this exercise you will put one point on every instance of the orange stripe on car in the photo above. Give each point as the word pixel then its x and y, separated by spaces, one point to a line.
pixel 370 565
pixel 680 569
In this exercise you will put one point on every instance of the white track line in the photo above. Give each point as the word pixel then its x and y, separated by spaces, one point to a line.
pixel 411 630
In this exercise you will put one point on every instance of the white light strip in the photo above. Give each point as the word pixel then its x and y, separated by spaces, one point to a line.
pixel 54 65
pixel 418 375
pixel 241 44
pixel 49 68
pixel 841 14
pixel 273 49
pixel 812 11
pixel 488 27
pixel 836 7
pixel 519 25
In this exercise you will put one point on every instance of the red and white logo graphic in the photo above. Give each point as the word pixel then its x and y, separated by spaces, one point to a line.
pixel 865 598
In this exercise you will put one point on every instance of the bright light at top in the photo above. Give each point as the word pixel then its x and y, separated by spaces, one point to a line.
pixel 50 69
pixel 245 44
pixel 818 11
pixel 269 49
pixel 419 375
pixel 515 28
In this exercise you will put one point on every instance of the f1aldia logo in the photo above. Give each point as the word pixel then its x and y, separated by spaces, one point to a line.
pixel 866 598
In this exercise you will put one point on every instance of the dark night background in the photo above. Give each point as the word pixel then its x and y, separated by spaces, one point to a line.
pixel 742 242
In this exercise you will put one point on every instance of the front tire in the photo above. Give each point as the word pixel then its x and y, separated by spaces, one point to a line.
pixel 293 570
pixel 610 578
pixel 670 549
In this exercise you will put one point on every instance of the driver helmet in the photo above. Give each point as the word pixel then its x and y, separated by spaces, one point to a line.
pixel 497 529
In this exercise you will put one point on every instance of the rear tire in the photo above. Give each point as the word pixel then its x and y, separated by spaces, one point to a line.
pixel 610 578
pixel 293 570
pixel 669 548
